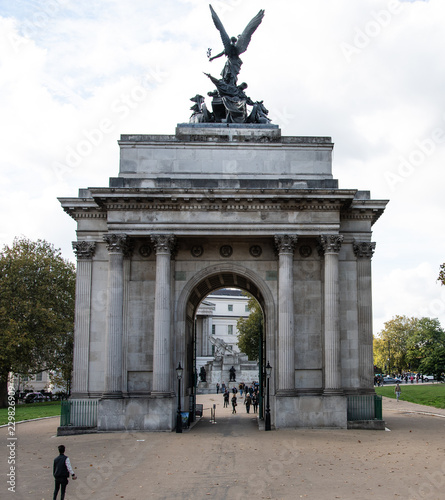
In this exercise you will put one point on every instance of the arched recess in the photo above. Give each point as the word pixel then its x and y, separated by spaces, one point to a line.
pixel 224 275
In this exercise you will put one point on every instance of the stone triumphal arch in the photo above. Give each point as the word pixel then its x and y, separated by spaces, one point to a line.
pixel 222 205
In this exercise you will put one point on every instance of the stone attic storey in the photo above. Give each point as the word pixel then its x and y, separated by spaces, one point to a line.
pixel 219 205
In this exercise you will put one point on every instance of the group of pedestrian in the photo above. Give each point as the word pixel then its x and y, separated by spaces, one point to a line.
pixel 251 396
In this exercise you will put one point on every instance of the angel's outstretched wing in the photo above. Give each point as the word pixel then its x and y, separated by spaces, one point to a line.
pixel 246 35
pixel 219 26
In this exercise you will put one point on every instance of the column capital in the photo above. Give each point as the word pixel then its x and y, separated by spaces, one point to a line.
pixel 164 242
pixel 363 249
pixel 285 242
pixel 331 243
pixel 117 243
pixel 84 249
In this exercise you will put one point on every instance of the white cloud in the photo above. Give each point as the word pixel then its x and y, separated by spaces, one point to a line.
pixel 87 71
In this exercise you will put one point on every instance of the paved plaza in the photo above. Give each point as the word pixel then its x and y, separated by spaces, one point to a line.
pixel 232 459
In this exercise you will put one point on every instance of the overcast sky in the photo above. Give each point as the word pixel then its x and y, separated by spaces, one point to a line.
pixel 75 75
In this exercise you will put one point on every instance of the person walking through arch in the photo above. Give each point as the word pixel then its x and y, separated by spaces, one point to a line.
pixel 255 402
pixel 226 398
pixel 248 402
pixel 234 404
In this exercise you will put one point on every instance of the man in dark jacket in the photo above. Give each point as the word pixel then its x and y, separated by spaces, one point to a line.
pixel 61 471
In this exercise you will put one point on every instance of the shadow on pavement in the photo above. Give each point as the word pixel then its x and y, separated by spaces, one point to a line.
pixel 226 423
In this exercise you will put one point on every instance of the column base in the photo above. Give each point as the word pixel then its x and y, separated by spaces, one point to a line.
pixel 80 395
pixel 142 414
pixel 310 411
pixel 333 392
pixel 112 395
pixel 162 394
pixel 286 393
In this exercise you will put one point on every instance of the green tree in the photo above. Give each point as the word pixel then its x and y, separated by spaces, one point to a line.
pixel 390 346
pixel 426 347
pixel 251 330
pixel 37 291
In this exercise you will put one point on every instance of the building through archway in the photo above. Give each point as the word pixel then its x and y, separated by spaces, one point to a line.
pixel 212 206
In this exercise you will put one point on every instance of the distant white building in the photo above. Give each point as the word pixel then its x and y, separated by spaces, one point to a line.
pixel 217 317
pixel 36 383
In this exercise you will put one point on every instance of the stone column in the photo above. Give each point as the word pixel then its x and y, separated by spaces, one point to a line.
pixel 207 332
pixel 331 244
pixel 162 370
pixel 364 251
pixel 125 314
pixel 286 342
pixel 117 244
pixel 84 251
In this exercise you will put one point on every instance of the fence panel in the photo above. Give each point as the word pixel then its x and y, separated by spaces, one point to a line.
pixel 365 407
pixel 79 413
pixel 378 407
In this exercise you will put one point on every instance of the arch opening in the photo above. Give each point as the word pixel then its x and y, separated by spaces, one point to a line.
pixel 197 293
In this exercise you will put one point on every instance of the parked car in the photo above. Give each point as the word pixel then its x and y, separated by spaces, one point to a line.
pixel 428 377
pixel 391 380
pixel 36 397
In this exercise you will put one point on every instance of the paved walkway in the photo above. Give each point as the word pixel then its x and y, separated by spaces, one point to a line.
pixel 233 460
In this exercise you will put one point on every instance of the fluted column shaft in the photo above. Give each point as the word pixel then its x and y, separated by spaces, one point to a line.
pixel 332 353
pixel 84 251
pixel 286 340
pixel 162 315
pixel 364 252
pixel 206 332
pixel 117 245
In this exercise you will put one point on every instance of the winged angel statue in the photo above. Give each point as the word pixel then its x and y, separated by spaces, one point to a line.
pixel 234 47
pixel 229 100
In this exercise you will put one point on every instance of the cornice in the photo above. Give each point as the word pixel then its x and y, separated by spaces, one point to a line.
pixel 243 206
pixel 222 200
pixel 365 210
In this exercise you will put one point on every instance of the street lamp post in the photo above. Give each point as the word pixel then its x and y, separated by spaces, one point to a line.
pixel 179 371
pixel 268 374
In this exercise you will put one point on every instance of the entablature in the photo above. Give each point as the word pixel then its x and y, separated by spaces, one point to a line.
pixel 365 210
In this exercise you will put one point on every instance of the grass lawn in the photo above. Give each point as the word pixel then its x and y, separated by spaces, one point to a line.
pixel 31 411
pixel 422 394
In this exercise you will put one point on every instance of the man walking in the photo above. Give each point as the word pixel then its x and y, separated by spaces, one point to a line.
pixel 398 391
pixel 61 471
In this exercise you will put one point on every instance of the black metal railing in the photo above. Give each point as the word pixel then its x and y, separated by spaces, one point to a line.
pixel 79 413
pixel 365 407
